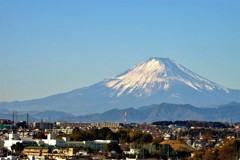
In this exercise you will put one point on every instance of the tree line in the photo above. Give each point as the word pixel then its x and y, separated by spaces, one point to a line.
pixel 191 123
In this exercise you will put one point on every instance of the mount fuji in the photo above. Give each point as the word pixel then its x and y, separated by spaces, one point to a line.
pixel 155 81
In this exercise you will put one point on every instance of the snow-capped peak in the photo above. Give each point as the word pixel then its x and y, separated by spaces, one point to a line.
pixel 158 75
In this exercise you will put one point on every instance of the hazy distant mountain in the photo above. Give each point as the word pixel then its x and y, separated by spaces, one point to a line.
pixel 165 111
pixel 149 114
pixel 49 116
pixel 152 82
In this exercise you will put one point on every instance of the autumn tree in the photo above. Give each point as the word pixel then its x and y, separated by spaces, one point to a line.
pixel 140 137
pixel 123 136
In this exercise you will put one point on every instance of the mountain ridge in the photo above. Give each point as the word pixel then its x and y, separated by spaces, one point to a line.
pixel 154 81
pixel 165 111
pixel 143 114
pixel 159 73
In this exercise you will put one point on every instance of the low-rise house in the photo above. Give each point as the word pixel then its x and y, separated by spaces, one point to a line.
pixel 10 158
pixel 54 142
pixel 82 153
pixel 132 153
pixel 42 151
pixel 178 146
pixel 72 124
pixel 198 144
pixel 12 139
pixel 111 125
pixel 166 136
pixel 104 141
pixel 66 151
pixel 36 151
pixel 66 130
pixel 42 125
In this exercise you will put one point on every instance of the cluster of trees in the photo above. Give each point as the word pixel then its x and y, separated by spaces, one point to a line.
pixel 17 148
pixel 208 131
pixel 122 136
pixel 164 151
pixel 229 150
pixel 93 134
pixel 136 138
pixel 22 124
pixel 191 123
pixel 39 135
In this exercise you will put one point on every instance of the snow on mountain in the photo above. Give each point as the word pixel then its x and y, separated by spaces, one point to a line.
pixel 155 81
pixel 156 75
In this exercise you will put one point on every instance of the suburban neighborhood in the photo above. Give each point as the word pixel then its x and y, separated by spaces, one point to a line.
pixel 112 140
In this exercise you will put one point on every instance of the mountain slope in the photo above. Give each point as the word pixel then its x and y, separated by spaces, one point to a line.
pixel 159 74
pixel 149 114
pixel 165 111
pixel 36 116
pixel 152 82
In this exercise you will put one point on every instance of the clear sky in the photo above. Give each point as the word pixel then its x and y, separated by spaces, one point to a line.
pixel 54 46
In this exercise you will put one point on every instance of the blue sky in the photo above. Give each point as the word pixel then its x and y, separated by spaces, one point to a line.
pixel 49 47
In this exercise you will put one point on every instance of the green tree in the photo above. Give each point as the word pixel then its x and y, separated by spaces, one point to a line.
pixel 92 134
pixel 236 146
pixel 135 136
pixel 22 124
pixel 144 153
pixel 13 148
pixel 106 133
pixel 140 138
pixel 113 146
pixel 39 135
pixel 147 138
pixel 75 134
pixel 82 135
pixel 165 149
pixel 123 136
pixel 17 148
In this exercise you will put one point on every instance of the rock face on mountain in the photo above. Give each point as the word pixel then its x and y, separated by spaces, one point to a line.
pixel 152 82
